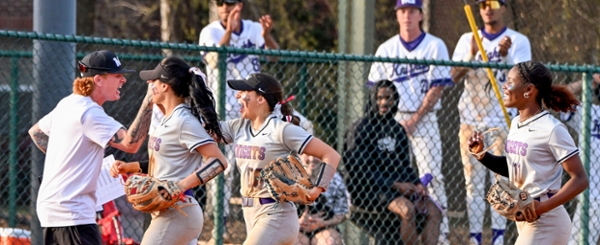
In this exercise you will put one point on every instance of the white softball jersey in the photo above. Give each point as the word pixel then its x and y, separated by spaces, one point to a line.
pixel 78 130
pixel 172 145
pixel 412 81
pixel 535 150
pixel 238 65
pixel 478 103
pixel 255 149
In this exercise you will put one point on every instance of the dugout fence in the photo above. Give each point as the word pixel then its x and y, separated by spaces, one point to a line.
pixel 330 90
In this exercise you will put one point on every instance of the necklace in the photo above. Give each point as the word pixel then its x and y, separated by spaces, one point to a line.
pixel 538 111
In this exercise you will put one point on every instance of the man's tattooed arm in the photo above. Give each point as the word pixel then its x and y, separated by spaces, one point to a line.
pixel 40 139
pixel 140 126
pixel 130 140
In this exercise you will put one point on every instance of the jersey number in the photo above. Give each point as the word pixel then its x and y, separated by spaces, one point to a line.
pixel 254 180
pixel 255 64
pixel 424 86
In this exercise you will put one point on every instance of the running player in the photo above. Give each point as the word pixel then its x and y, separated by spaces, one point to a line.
pixel 479 108
pixel 537 150
pixel 180 148
pixel 260 137
pixel 420 88
pixel 231 30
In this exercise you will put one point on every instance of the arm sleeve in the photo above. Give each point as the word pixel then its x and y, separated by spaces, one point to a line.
pixel 377 71
pixel 521 51
pixel 561 145
pixel 440 75
pixel 295 138
pixel 495 163
pixel 193 134
pixel 462 47
pixel 98 126
pixel 45 123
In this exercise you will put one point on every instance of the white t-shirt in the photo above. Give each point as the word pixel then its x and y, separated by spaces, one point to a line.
pixel 78 131
pixel 238 65
pixel 172 145
pixel 478 103
pixel 412 81
pixel 535 151
pixel 574 120
pixel 256 149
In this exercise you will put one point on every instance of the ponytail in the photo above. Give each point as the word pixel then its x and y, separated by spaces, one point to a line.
pixel 203 105
pixel 559 98
pixel 84 86
pixel 288 114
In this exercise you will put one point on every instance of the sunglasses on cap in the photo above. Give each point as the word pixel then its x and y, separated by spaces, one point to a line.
pixel 85 68
pixel 227 2
pixel 491 4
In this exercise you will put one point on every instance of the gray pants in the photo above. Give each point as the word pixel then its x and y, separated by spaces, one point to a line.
pixel 552 228
pixel 266 225
pixel 172 227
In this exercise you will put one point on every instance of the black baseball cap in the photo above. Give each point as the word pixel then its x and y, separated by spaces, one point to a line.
pixel 158 73
pixel 220 2
pixel 101 62
pixel 259 82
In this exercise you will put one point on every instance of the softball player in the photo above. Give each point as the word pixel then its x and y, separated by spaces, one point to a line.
pixel 231 30
pixel 73 136
pixel 420 87
pixel 537 150
pixel 574 120
pixel 260 137
pixel 479 108
pixel 180 148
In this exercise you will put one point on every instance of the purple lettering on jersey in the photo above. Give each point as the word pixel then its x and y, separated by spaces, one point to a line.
pixel 493 56
pixel 154 143
pixel 250 152
pixel 516 147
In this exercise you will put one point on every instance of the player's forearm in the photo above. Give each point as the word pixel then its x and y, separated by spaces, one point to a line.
pixel 39 138
pixel 570 190
pixel 226 39
pixel 495 163
pixel 209 170
pixel 431 98
pixel 458 73
pixel 271 44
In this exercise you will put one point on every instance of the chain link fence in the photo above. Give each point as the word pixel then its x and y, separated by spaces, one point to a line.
pixel 330 91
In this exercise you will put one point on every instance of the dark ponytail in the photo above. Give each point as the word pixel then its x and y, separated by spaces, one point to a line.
pixel 288 114
pixel 203 106
pixel 190 82
pixel 557 98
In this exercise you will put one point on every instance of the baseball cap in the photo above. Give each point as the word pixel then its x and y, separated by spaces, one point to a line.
pixel 101 62
pixel 259 82
pixel 409 3
pixel 221 2
pixel 158 73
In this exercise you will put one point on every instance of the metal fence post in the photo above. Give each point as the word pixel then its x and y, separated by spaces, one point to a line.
pixel 586 97
pixel 220 180
pixel 13 138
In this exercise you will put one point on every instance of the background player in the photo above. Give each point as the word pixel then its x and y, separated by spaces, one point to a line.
pixel 574 120
pixel 420 88
pixel 260 137
pixel 479 108
pixel 231 30
pixel 537 150
pixel 73 136
pixel 379 173
pixel 180 148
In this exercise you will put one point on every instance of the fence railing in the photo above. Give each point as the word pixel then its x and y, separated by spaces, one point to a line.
pixel 330 91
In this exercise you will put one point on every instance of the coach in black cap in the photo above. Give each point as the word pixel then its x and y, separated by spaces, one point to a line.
pixel 81 130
